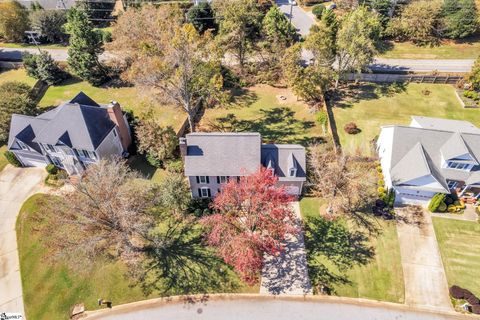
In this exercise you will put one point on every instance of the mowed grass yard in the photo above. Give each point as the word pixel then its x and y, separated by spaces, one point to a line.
pixel 380 279
pixel 49 288
pixel 459 243
pixel 16 75
pixel 3 160
pixel 372 106
pixel 260 109
pixel 448 49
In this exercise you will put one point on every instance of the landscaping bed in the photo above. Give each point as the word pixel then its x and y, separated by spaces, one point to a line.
pixel 371 106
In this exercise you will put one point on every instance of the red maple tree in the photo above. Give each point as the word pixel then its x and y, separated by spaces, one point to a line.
pixel 252 217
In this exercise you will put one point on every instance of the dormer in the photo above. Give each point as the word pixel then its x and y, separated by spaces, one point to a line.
pixel 456 154
pixel 292 166
pixel 270 163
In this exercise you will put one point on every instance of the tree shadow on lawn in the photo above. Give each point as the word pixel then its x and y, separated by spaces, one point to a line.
pixel 277 125
pixel 333 249
pixel 241 98
pixel 355 93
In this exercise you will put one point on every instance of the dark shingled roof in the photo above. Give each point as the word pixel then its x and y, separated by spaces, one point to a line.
pixel 81 126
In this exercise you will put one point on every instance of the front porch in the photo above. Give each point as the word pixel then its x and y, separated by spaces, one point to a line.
pixel 468 194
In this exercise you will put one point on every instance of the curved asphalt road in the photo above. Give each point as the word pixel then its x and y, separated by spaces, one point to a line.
pixel 257 307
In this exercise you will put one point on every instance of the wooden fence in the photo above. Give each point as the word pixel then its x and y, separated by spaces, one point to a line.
pixel 390 78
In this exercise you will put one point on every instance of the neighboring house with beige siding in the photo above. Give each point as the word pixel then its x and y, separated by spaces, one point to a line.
pixel 71 136
pixel 213 159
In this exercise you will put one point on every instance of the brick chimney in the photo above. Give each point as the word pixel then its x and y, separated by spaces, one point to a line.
pixel 116 115
pixel 183 147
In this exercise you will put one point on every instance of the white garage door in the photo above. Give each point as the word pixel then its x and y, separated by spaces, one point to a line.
pixel 293 190
pixel 33 163
pixel 414 198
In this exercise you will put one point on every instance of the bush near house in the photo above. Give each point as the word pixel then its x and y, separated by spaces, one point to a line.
pixel 51 169
pixel 12 159
pixel 436 201
pixel 318 10
pixel 351 128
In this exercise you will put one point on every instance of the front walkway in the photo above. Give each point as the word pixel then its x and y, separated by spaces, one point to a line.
pixel 425 281
pixel 287 273
pixel 468 215
pixel 16 185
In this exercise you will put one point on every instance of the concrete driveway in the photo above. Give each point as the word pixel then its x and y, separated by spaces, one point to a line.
pixel 425 281
pixel 16 185
pixel 287 273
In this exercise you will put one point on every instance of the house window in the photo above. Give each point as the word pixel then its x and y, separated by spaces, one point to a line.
pixel 293 172
pixel 51 148
pixel 56 161
pixel 457 165
pixel 204 192
pixel 223 179
pixel 22 145
pixel 203 179
pixel 452 184
pixel 87 154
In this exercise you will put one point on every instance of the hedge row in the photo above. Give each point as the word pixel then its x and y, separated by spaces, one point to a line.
pixel 459 293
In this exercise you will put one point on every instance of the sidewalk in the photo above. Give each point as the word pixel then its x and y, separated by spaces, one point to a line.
pixel 287 274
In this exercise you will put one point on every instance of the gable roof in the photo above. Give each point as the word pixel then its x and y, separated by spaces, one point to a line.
pixel 456 149
pixel 417 152
pixel 222 154
pixel 283 157
pixel 75 125
pixel 446 124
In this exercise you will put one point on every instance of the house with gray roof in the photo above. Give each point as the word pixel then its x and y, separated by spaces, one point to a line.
pixel 71 136
pixel 430 156
pixel 213 159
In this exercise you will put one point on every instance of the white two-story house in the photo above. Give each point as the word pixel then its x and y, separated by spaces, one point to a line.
pixel 71 136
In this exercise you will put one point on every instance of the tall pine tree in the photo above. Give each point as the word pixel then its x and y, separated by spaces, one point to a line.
pixel 85 47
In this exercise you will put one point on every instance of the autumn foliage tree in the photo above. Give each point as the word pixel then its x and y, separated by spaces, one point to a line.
pixel 252 217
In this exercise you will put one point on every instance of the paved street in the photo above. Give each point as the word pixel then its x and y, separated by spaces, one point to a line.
pixel 420 65
pixel 16 185
pixel 301 19
pixel 288 272
pixel 254 307
pixel 423 272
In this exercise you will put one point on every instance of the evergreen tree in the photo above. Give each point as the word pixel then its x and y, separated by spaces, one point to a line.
pixel 85 47
pixel 277 28
pixel 13 21
pixel 43 67
pixel 460 18
pixel 202 17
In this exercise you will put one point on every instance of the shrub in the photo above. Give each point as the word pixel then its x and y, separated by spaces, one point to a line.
pixel 175 166
pixel 12 159
pixel 318 10
pixel 452 208
pixel 381 183
pixel 435 202
pixel 380 203
pixel 473 300
pixel 381 190
pixel 43 67
pixel 456 292
pixel 382 195
pixel 442 207
pixel 379 169
pixel 471 94
pixel 449 200
pixel 476 309
pixel 51 169
pixel 49 23
pixel 351 128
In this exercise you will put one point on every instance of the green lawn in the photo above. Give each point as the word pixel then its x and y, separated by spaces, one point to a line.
pixel 459 243
pixel 382 277
pixel 32 46
pixel 372 106
pixel 258 109
pixel 16 75
pixel 50 289
pixel 463 49
pixel 3 160
pixel 129 98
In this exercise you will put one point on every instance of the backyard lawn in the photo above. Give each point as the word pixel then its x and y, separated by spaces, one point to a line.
pixel 129 98
pixel 448 49
pixel 459 243
pixel 382 277
pixel 371 106
pixel 261 109
pixel 16 75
